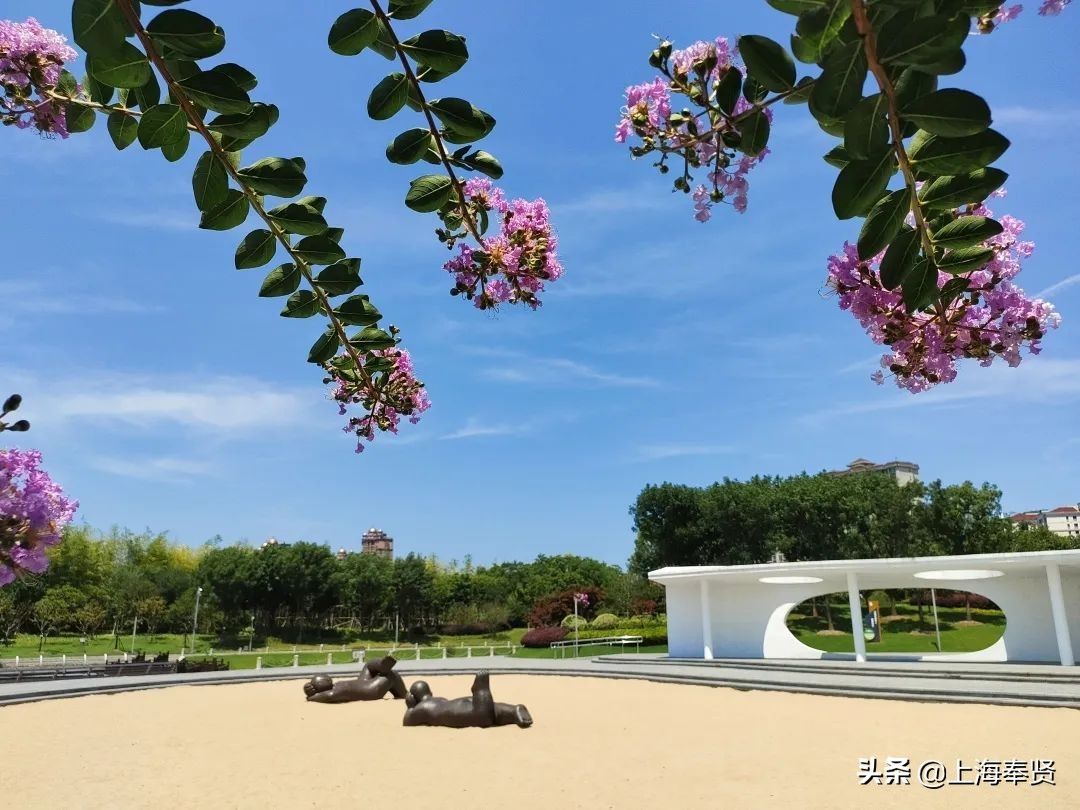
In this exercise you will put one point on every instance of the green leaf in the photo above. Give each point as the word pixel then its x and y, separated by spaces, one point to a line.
pixel 838 157
pixel 840 86
pixel 900 258
pixel 257 249
pixel 755 133
pixel 120 66
pixel 463 118
pixel 409 146
pixel 484 162
pixel 243 77
pixel 334 234
pixel 353 31
pixel 441 50
pixel 796 6
pixel 920 286
pixel 252 124
pixel 966 232
pixel 883 223
pixel 318 203
pixel 913 84
pixel 429 193
pixel 149 93
pixel 371 339
pixel 229 213
pixel 98 25
pixel 922 41
pixel 319 250
pixel 866 128
pixel 161 125
pixel 280 177
pixel 388 97
pixel 122 129
pixel 357 311
pixel 861 183
pixel 217 92
pixel 186 33
pixel 953 289
pixel 407 9
pixel 950 112
pixel 301 304
pixel 728 89
pixel 768 62
pixel 282 280
pixel 961 189
pixel 340 278
pixel 325 347
pixel 965 260
pixel 384 43
pixel 937 155
pixel 79 117
pixel 99 93
pixel 819 27
pixel 298 218
pixel 210 183
pixel 174 150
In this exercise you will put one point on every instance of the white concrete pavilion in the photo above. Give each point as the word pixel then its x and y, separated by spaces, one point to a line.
pixel 740 611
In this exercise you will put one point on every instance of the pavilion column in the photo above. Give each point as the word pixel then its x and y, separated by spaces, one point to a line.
pixel 706 621
pixel 1061 618
pixel 856 616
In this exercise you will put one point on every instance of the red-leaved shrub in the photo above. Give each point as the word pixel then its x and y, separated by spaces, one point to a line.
pixel 543 636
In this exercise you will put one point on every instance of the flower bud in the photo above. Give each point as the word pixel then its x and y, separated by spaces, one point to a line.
pixel 665 49
pixel 22 425
pixel 12 403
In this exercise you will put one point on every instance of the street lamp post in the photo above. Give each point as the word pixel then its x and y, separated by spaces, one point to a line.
pixel 195 622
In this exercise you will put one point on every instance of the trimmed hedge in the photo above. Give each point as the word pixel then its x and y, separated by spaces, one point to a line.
pixel 572 621
pixel 543 636
pixel 605 621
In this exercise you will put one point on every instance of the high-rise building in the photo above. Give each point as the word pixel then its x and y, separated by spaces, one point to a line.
pixel 376 541
pixel 1063 521
pixel 904 471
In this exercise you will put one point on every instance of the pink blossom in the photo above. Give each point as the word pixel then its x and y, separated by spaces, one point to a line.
pixel 991 318
pixel 33 513
pixel 513 265
pixel 31 60
pixel 1051 8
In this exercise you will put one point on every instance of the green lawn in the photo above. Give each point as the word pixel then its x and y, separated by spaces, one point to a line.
pixel 905 633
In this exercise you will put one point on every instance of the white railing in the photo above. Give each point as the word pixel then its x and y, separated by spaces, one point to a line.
pixel 63 661
pixel 606 641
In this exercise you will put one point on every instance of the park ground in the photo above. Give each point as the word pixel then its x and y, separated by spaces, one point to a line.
pixel 596 743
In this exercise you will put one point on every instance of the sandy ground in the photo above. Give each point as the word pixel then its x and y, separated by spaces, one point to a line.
pixel 596 743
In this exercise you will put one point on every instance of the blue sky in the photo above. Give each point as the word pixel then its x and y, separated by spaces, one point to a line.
pixel 165 394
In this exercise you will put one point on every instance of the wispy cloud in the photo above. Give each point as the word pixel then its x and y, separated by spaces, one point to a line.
pixel 1029 116
pixel 39 298
pixel 1037 379
pixel 1065 283
pixel 549 371
pixel 223 407
pixel 611 202
pixel 867 364
pixel 164 469
pixel 474 429
pixel 159 220
pixel 654 452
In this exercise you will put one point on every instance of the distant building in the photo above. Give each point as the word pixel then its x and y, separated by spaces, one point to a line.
pixel 378 542
pixel 903 471
pixel 1063 521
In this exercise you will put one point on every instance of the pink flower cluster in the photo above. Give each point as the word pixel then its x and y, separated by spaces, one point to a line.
pixel 401 395
pixel 648 115
pixel 33 513
pixel 582 599
pixel 31 58
pixel 991 318
pixel 513 266
pixel 1049 8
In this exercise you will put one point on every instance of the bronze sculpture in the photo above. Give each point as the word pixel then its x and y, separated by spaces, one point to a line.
pixel 478 711
pixel 375 681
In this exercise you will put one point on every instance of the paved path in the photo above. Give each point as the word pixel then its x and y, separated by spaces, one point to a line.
pixel 1005 684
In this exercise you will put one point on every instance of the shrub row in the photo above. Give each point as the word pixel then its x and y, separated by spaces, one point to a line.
pixel 543 636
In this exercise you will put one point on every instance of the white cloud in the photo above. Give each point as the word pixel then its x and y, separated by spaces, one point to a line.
pixel 475 429
pixel 1029 116
pixel 164 469
pixel 38 298
pixel 654 452
pixel 1037 379
pixel 220 406
pixel 611 202
pixel 1061 285
pixel 554 371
